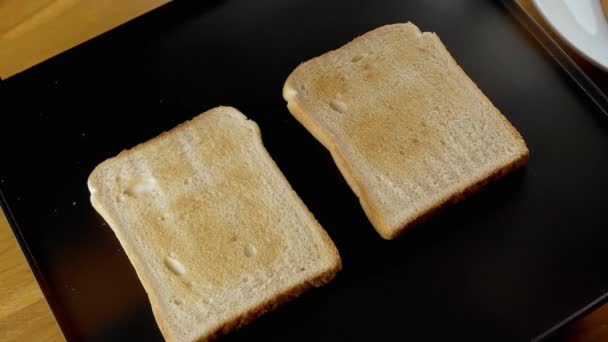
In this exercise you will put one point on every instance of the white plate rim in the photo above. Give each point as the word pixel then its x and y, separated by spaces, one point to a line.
pixel 547 17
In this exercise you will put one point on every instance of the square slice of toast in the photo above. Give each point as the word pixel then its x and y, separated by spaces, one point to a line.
pixel 215 232
pixel 406 126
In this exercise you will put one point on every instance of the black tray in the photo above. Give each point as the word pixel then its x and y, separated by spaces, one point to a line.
pixel 506 264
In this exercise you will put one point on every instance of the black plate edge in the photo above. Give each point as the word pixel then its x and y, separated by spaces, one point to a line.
pixel 531 27
pixel 61 320
pixel 558 54
pixel 566 322
pixel 596 95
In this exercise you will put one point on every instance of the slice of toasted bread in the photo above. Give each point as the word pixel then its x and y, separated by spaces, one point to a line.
pixel 407 128
pixel 214 230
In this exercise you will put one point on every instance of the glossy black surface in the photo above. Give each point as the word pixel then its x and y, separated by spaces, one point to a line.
pixel 506 264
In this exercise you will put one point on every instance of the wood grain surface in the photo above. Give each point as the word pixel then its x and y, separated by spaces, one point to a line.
pixel 34 30
pixel 24 313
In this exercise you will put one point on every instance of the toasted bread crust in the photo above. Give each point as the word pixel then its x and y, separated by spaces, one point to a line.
pixel 270 305
pixel 158 302
pixel 345 165
pixel 459 196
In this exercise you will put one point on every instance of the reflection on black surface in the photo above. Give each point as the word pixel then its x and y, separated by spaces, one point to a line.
pixel 505 264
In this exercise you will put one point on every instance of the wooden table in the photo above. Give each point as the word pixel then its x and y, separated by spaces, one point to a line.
pixel 32 31
pixel 24 313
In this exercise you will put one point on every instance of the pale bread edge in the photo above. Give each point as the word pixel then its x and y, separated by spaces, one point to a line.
pixel 290 94
pixel 250 315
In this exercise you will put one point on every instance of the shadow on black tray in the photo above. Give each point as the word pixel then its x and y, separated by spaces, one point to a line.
pixel 366 255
